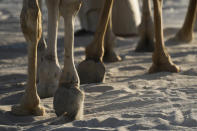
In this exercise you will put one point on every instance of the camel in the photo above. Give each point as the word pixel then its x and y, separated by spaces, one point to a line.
pixel 69 98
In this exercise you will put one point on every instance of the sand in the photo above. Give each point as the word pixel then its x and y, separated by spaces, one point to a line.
pixel 129 99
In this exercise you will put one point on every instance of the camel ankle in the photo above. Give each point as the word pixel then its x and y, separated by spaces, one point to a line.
pixel 163 63
pixel 184 36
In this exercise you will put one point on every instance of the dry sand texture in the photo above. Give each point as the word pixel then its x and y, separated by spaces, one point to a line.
pixel 129 99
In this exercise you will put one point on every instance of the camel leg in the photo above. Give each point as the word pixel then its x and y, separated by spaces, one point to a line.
pixel 185 34
pixel 49 70
pixel 146 42
pixel 161 58
pixel 92 70
pixel 68 99
pixel 110 41
pixel 31 27
pixel 41 46
pixel 42 43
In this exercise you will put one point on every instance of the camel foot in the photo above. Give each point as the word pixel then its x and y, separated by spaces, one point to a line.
pixel 91 72
pixel 48 74
pixel 164 67
pixel 145 45
pixel 111 56
pixel 68 102
pixel 22 111
pixel 183 37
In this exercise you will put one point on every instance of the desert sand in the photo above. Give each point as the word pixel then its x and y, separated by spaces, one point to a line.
pixel 128 99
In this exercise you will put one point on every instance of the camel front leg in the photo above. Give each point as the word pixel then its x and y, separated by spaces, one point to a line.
pixel 49 70
pixel 186 34
pixel 31 27
pixel 69 99
pixel 110 42
pixel 92 70
pixel 146 42
pixel 161 58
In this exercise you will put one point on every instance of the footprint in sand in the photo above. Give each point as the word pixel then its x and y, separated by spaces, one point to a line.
pixel 190 118
pixel 98 88
pixel 191 72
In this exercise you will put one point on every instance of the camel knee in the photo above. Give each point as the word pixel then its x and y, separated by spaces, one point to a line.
pixel 30 19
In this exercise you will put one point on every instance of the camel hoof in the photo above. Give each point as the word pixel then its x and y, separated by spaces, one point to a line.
pixel 111 57
pixel 91 72
pixel 21 111
pixel 182 37
pixel 164 68
pixel 68 101
pixel 145 45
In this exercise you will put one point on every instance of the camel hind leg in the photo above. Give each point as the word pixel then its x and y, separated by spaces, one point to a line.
pixel 92 70
pixel 161 59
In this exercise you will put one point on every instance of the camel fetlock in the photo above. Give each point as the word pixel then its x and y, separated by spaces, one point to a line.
pixel 163 63
pixel 29 105
pixel 184 36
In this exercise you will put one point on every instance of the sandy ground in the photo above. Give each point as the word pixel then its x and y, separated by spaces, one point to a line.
pixel 129 99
